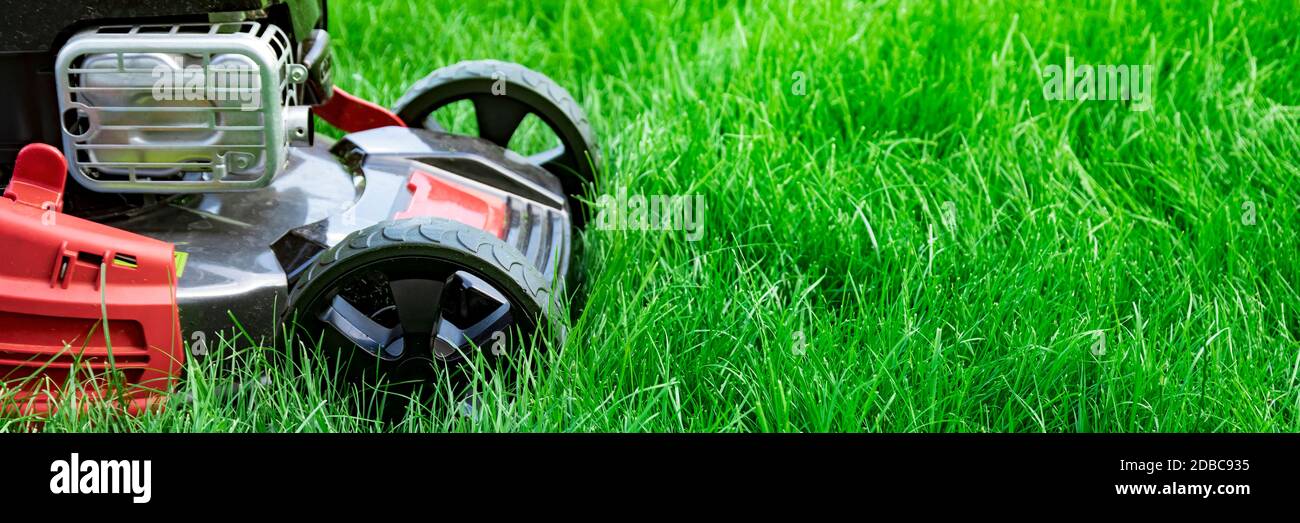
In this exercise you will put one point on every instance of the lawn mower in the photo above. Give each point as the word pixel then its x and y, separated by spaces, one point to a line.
pixel 202 201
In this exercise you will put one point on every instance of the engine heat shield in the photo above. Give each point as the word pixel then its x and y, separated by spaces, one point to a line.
pixel 179 108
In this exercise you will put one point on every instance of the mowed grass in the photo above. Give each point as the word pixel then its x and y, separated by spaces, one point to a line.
pixel 901 233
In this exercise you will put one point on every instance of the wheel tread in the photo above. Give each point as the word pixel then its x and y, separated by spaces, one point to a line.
pixel 436 231
pixel 513 74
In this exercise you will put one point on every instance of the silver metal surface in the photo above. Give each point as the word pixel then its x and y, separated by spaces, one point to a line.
pixel 177 108
pixel 231 272
pixel 297 125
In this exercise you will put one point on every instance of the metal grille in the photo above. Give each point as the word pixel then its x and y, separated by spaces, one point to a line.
pixel 176 108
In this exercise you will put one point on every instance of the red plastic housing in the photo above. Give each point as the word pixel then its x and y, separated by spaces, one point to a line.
pixel 58 276
pixel 431 196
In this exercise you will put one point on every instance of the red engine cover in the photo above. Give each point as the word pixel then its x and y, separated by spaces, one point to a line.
pixel 58 276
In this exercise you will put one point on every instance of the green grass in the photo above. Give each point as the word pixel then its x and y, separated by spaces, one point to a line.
pixel 1172 232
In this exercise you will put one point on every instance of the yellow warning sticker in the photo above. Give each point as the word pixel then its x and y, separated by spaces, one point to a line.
pixel 180 258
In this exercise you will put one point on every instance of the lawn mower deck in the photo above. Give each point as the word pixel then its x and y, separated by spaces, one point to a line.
pixel 242 251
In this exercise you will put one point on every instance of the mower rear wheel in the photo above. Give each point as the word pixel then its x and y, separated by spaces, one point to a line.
pixel 503 94
pixel 402 301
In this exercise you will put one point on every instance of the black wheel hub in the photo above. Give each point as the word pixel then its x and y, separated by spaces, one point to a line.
pixel 408 315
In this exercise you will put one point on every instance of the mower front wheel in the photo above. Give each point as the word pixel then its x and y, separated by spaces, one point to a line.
pixel 402 300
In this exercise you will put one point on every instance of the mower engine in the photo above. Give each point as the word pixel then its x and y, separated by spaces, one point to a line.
pixel 179 108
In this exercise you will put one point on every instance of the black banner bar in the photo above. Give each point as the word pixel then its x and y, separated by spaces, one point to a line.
pixel 1085 471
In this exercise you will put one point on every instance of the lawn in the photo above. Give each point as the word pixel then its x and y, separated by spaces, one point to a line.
pixel 901 232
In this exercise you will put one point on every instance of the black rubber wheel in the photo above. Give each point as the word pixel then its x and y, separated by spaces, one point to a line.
pixel 503 94
pixel 403 301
